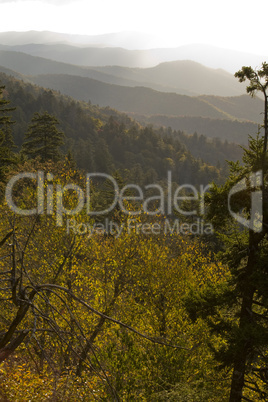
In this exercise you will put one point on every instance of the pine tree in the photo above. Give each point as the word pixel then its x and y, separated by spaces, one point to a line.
pixel 43 139
pixel 6 139
pixel 238 311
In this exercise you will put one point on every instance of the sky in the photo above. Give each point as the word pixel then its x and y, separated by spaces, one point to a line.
pixel 230 24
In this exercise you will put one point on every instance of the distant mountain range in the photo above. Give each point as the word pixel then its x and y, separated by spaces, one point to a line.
pixel 121 49
pixel 182 77
pixel 101 87
pixel 128 39
pixel 103 139
pixel 148 101
pixel 182 94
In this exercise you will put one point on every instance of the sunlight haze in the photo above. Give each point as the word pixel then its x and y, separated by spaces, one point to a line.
pixel 226 24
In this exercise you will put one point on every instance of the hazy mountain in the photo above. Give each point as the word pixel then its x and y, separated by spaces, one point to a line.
pixel 88 56
pixel 125 89
pixel 81 123
pixel 230 130
pixel 31 65
pixel 242 107
pixel 211 56
pixel 74 81
pixel 127 99
pixel 182 77
pixel 121 49
pixel 22 38
pixel 127 40
pixel 13 73
pixel 148 101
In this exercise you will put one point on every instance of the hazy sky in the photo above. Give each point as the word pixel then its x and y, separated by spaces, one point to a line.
pixel 230 23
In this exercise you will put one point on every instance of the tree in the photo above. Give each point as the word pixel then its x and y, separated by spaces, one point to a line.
pixel 43 139
pixel 237 312
pixel 258 81
pixel 102 311
pixel 6 139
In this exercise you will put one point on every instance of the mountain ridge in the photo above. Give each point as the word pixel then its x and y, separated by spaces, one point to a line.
pixel 149 92
pixel 148 101
pixel 211 56
pixel 184 77
pixel 87 125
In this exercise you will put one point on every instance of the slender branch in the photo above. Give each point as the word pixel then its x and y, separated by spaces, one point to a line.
pixel 2 242
pixel 151 339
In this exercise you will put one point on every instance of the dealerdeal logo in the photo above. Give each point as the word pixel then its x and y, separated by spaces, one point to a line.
pixel 254 183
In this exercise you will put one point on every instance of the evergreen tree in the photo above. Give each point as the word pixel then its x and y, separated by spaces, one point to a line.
pixel 6 138
pixel 43 139
pixel 238 311
pixel 258 81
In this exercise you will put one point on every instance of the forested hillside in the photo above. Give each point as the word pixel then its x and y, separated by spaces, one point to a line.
pixel 92 131
pixel 158 95
pixel 91 316
pixel 133 258
pixel 234 131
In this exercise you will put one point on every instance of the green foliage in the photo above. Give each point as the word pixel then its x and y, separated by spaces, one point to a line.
pixel 258 78
pixel 258 81
pixel 236 312
pixel 134 317
pixel 102 317
pixel 42 138
pixel 7 145
pixel 233 131
pixel 128 147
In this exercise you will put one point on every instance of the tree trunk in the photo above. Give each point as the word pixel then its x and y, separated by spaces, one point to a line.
pixel 245 344
pixel 265 125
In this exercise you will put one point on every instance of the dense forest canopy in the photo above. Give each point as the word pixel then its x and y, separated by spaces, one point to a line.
pixel 128 145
